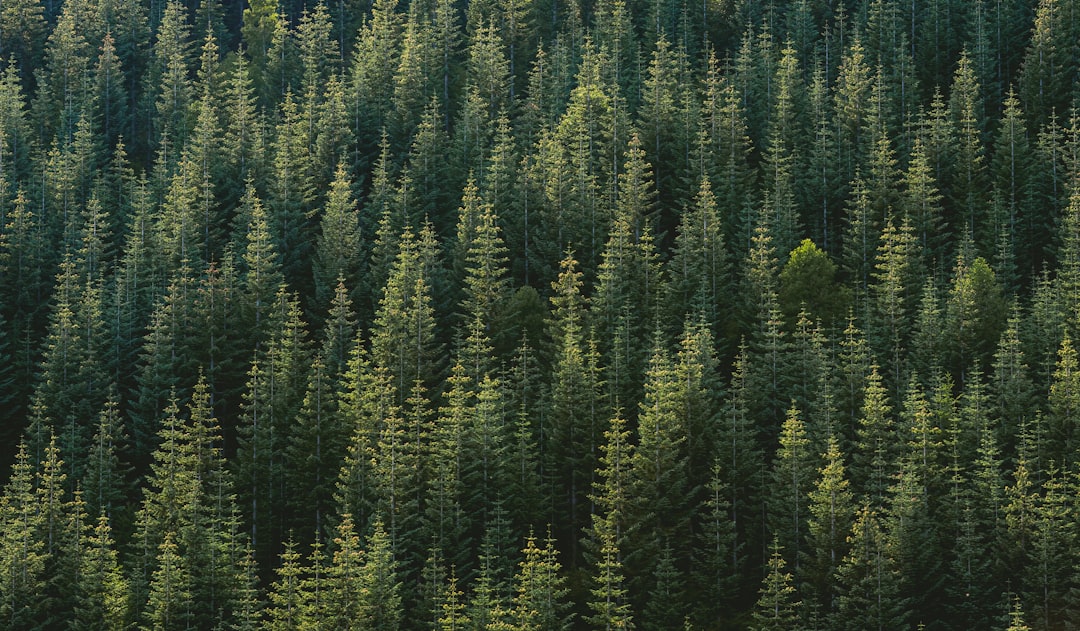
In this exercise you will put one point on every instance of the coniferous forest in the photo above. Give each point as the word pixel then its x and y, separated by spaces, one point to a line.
pixel 516 315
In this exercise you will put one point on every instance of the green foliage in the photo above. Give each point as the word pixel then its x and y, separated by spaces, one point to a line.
pixel 777 608
pixel 807 281
pixel 309 312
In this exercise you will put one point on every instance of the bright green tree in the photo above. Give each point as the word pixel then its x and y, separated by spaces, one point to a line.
pixel 869 580
pixel 777 608
pixel 103 599
pixel 337 249
pixel 832 512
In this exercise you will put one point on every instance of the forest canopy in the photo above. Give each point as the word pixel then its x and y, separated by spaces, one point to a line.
pixel 518 315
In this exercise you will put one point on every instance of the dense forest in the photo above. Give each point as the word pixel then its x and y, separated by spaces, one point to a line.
pixel 520 315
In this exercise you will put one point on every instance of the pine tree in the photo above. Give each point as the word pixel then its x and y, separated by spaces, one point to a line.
pixel 1016 617
pixel 293 192
pixel 374 64
pixel 666 136
pixel 698 269
pixel 451 614
pixel 628 283
pixel 611 608
pixel 1063 399
pixel 738 473
pixel 270 402
pixel 659 511
pixel 792 480
pixel 891 299
pixel 72 382
pixel 169 602
pixel 286 600
pixel 539 601
pixel 315 450
pixel 261 268
pixel 968 171
pixel 102 594
pixel 171 71
pixel 484 262
pixel 105 484
pixel 777 609
pixel 725 156
pixel 342 595
pixel 832 513
pixel 1013 178
pixel 337 250
pixel 851 105
pixel 921 203
pixel 869 580
pixel 1049 66
pixel 23 555
pixel 403 336
pixel 380 580
pixel 244 148
pixel 573 423
pixel 782 163
pixel 1049 573
pixel 875 460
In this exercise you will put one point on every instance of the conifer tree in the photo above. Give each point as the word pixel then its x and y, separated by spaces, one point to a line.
pixel 171 71
pixel 875 460
pixel 23 556
pixel 484 261
pixel 969 183
pixel 169 602
pixel 1049 65
pixel 832 513
pixel 792 480
pixel 1016 617
pixel 105 484
pixel 921 203
pixel 315 450
pixel 738 472
pixel 1012 389
pixel 611 607
pixel 1060 437
pixel 270 402
pixel 892 297
pixel 659 511
pixel 286 600
pixel 261 268
pixel 451 614
pixel 628 283
pixel 403 336
pixel 540 598
pixel 777 608
pixel 781 175
pixel 337 251
pixel 975 315
pixel 698 269
pixel 292 191
pixel 1048 575
pixel 666 136
pixel 869 579
pixel 573 423
pixel 725 158
pixel 102 600
pixel 382 609
pixel 342 594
